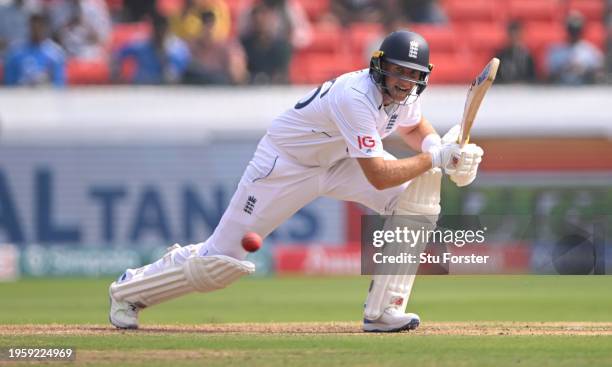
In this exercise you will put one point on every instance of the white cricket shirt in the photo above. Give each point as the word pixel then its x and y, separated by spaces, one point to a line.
pixel 341 118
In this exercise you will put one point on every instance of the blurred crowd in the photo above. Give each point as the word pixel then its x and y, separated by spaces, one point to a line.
pixel 239 42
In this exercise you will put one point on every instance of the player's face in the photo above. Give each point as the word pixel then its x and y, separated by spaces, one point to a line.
pixel 400 81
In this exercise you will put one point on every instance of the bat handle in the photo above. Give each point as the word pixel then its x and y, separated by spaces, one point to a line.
pixel 463 141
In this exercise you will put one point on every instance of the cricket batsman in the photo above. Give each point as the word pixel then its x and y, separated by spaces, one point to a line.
pixel 328 144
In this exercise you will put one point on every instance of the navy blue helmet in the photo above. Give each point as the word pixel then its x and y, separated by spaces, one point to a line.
pixel 406 49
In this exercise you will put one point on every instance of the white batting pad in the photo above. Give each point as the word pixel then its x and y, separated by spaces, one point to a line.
pixel 418 208
pixel 210 273
pixel 202 274
pixel 422 197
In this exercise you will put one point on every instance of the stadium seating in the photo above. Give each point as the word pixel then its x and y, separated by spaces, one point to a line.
pixel 169 7
pixel 124 33
pixel 452 67
pixel 79 72
pixel 440 38
pixel 484 39
pixel 592 10
pixel 114 5
pixel 476 30
pixel 535 10
pixel 326 39
pixel 595 32
pixel 236 8
pixel 362 35
pixel 462 11
pixel 317 67
pixel 314 8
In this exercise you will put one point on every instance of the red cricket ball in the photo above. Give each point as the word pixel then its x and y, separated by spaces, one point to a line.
pixel 251 241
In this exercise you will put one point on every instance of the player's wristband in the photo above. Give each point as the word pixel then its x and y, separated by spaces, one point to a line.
pixel 430 141
pixel 436 156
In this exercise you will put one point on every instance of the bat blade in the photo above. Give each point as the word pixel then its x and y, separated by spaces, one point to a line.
pixel 478 89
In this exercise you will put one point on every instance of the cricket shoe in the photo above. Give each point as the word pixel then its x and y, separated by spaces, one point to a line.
pixel 123 314
pixel 392 321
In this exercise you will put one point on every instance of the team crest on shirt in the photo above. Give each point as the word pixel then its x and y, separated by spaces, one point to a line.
pixel 391 122
pixel 250 204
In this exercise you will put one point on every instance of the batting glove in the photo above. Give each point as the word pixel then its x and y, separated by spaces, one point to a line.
pixel 445 156
pixel 467 165
pixel 452 135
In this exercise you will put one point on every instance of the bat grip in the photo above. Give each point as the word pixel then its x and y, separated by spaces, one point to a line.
pixel 462 141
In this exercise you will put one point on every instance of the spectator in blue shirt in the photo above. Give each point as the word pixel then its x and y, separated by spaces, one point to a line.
pixel 577 61
pixel 36 62
pixel 159 60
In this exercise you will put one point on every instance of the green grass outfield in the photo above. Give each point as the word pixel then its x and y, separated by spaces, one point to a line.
pixel 438 299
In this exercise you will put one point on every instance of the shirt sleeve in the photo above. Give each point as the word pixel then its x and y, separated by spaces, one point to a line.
pixel 356 121
pixel 412 116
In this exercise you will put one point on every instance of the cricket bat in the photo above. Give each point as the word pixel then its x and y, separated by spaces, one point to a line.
pixel 478 89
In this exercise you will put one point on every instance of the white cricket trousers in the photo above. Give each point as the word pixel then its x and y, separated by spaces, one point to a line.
pixel 272 189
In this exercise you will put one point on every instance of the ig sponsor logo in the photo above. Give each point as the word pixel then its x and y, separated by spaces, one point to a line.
pixel 366 141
